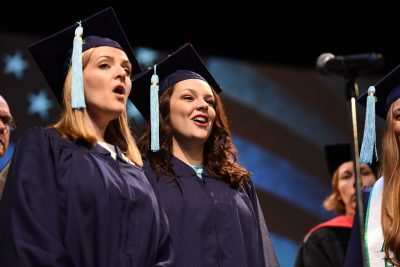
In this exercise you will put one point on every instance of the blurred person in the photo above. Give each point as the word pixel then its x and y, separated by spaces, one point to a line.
pixel 7 124
pixel 326 243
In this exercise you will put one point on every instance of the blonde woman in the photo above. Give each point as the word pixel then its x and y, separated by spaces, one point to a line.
pixel 381 203
pixel 76 194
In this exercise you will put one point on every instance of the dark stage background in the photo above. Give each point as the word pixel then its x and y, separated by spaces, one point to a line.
pixel 282 112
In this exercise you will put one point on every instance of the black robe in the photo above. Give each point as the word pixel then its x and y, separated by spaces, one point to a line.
pixel 324 247
pixel 212 224
pixel 68 205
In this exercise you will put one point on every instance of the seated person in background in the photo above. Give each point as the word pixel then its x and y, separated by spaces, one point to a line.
pixel 7 124
pixel 326 243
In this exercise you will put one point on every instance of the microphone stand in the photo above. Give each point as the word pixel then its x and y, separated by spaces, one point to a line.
pixel 352 93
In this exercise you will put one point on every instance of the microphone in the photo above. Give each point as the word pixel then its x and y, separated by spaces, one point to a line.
pixel 328 63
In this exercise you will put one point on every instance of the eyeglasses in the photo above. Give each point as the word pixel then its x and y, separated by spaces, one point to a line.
pixel 9 123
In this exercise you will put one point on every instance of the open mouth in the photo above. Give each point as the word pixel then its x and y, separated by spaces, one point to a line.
pixel 119 90
pixel 201 119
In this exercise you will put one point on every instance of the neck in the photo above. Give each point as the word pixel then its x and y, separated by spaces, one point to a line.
pixel 350 212
pixel 190 154
pixel 98 128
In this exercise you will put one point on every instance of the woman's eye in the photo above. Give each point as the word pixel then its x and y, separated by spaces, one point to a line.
pixel 103 66
pixel 210 102
pixel 366 173
pixel 345 177
pixel 128 71
pixel 188 97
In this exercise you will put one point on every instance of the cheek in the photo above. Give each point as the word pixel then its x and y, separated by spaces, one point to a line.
pixel 396 129
pixel 93 80
pixel 90 85
pixel 346 187
pixel 176 114
pixel 128 89
pixel 368 180
pixel 212 115
pixel 172 112
pixel 178 110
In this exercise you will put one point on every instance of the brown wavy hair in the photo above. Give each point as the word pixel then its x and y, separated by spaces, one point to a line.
pixel 220 156
pixel 390 214
pixel 73 123
pixel 334 202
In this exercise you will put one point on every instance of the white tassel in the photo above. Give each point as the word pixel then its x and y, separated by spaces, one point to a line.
pixel 368 147
pixel 154 112
pixel 77 91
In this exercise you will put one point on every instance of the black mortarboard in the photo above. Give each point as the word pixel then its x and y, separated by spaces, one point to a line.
pixel 53 53
pixel 387 90
pixel 377 100
pixel 183 64
pixel 336 155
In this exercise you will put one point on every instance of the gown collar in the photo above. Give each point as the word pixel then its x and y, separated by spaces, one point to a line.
pixel 182 169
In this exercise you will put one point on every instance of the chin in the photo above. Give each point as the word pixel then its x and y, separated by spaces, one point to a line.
pixel 202 138
pixel 115 113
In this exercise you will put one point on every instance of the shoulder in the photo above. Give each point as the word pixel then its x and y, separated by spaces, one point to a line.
pixel 148 170
pixel 330 234
pixel 44 141
pixel 38 134
pixel 34 137
pixel 250 190
pixel 339 223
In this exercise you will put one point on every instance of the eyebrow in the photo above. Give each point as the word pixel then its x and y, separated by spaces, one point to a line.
pixel 346 172
pixel 125 61
pixel 364 168
pixel 195 91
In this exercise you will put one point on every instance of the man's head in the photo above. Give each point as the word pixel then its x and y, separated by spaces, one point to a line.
pixel 5 124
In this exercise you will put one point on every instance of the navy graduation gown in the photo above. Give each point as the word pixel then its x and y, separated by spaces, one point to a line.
pixel 354 253
pixel 212 224
pixel 67 205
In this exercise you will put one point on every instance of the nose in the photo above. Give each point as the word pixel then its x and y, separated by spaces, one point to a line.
pixel 202 105
pixel 121 73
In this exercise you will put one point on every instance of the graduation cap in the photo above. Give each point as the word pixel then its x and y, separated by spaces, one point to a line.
pixel 53 54
pixel 336 155
pixel 387 90
pixel 383 93
pixel 181 65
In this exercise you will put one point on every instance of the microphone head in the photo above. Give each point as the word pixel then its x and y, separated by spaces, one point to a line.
pixel 321 62
pixel 377 61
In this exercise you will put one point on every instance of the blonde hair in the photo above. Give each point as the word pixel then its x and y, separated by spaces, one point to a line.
pixel 390 214
pixel 73 124
pixel 334 202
